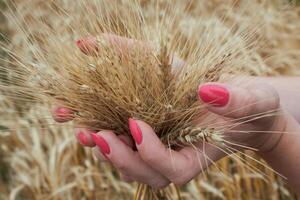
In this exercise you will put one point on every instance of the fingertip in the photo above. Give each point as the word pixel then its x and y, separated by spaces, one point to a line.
pixel 124 159
pixel 126 179
pixel 111 137
pixel 94 137
pixel 214 94
pixel 145 126
pixel 62 114
pixel 99 155
pixel 237 101
pixel 135 131
pixel 78 42
pixel 141 132
pixel 88 45
pixel 113 149
pixel 84 137
pixel 145 137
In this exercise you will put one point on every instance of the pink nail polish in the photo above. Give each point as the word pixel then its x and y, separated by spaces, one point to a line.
pixel 63 112
pixel 88 45
pixel 215 95
pixel 78 42
pixel 135 131
pixel 101 143
pixel 82 138
pixel 83 45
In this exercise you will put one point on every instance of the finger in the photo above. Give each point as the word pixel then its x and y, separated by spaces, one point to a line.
pixel 84 137
pixel 126 160
pixel 99 156
pixel 90 46
pixel 62 114
pixel 126 140
pixel 126 178
pixel 237 102
pixel 179 167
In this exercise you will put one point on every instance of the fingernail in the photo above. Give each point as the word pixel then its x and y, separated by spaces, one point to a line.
pixel 63 112
pixel 135 131
pixel 88 45
pixel 215 95
pixel 78 42
pixel 101 143
pixel 82 138
pixel 82 45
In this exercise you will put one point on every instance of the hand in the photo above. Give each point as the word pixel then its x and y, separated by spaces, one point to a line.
pixel 156 165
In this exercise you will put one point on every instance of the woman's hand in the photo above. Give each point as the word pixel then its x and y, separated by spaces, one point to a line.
pixel 252 111
pixel 156 165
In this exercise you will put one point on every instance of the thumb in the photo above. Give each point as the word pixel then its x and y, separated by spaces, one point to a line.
pixel 237 102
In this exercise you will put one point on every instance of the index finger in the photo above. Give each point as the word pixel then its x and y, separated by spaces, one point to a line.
pixel 90 46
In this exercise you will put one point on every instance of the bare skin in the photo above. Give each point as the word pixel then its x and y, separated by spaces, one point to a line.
pixel 276 137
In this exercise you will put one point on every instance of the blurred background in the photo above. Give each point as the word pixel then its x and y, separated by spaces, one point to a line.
pixel 40 159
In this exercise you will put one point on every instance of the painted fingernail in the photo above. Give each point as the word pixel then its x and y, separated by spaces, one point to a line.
pixel 135 131
pixel 101 143
pixel 78 42
pixel 88 45
pixel 83 45
pixel 215 95
pixel 82 138
pixel 63 112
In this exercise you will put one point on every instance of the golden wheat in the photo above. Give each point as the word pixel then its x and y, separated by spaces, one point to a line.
pixel 107 88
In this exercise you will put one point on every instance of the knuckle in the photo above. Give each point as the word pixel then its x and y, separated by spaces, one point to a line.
pixel 126 178
pixel 249 102
pixel 275 101
pixel 179 181
pixel 177 177
pixel 121 166
pixel 241 105
pixel 269 96
pixel 182 175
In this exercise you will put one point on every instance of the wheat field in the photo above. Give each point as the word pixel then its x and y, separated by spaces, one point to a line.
pixel 41 159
